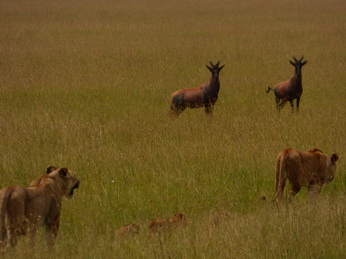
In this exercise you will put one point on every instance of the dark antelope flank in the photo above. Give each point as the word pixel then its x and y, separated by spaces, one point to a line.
pixel 290 89
pixel 204 96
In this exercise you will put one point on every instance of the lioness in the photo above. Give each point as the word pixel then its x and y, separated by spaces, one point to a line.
pixel 312 169
pixel 24 210
pixel 158 225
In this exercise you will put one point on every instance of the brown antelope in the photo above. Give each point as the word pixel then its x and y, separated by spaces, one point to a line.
pixel 204 96
pixel 290 89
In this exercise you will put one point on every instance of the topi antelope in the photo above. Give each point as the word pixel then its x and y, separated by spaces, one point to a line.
pixel 290 89
pixel 204 96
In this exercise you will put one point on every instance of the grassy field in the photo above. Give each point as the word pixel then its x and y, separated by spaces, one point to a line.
pixel 86 85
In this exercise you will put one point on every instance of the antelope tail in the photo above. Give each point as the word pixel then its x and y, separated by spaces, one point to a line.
pixel 268 90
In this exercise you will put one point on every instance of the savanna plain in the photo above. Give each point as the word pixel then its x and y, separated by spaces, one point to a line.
pixel 86 85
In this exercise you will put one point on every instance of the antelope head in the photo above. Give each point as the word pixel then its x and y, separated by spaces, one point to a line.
pixel 298 64
pixel 215 69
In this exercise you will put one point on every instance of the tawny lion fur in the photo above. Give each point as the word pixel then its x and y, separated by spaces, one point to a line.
pixel 177 220
pixel 24 210
pixel 311 169
pixel 128 230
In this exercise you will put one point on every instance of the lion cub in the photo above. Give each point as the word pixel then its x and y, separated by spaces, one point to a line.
pixel 158 225
pixel 128 230
pixel 24 210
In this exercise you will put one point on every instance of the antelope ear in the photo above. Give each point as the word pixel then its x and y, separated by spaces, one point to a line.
pixel 50 169
pixel 209 68
pixel 221 68
pixel 334 158
pixel 63 172
pixel 304 62
pixel 292 63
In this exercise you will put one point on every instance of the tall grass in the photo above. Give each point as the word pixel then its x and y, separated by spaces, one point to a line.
pixel 86 84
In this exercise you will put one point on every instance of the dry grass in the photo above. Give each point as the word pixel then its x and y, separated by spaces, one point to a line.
pixel 86 84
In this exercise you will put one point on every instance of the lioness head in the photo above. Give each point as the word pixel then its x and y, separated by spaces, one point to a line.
pixel 66 179
pixel 331 167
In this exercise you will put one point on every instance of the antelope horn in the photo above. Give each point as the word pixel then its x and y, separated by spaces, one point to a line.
pixel 301 59
pixel 295 59
pixel 217 64
pixel 211 63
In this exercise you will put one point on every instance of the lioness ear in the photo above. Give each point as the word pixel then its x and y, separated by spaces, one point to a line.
pixel 334 158
pixel 50 169
pixel 63 172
